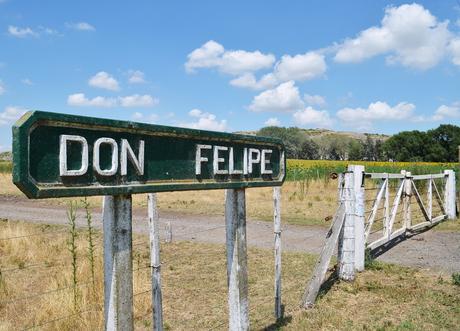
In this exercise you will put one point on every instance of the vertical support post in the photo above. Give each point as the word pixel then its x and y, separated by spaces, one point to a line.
pixel 407 196
pixel 386 225
pixel 277 232
pixel 429 193
pixel 449 199
pixel 155 264
pixel 358 214
pixel 346 251
pixel 168 238
pixel 237 273
pixel 118 264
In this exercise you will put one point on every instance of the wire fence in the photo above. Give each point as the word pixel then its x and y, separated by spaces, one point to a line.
pixel 37 292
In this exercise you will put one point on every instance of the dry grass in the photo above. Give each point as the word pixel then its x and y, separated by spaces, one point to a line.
pixel 194 288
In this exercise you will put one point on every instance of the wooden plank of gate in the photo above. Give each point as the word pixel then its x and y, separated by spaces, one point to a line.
pixel 312 289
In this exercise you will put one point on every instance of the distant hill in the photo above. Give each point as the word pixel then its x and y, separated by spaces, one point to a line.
pixel 317 133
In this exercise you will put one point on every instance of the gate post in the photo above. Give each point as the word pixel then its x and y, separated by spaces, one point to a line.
pixel 118 263
pixel 346 249
pixel 237 272
pixel 358 214
pixel 449 198
pixel 407 196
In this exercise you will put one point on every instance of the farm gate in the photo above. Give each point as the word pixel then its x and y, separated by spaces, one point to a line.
pixel 376 210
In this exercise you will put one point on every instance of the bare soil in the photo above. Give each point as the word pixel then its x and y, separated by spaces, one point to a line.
pixel 435 250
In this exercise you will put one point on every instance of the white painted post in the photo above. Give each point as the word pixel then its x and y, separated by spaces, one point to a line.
pixel 118 264
pixel 407 197
pixel 449 199
pixel 237 273
pixel 346 251
pixel 277 231
pixel 429 193
pixel 155 264
pixel 358 214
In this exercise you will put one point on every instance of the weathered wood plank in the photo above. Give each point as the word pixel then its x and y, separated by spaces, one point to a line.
pixel 277 234
pixel 394 210
pixel 424 177
pixel 371 218
pixel 118 266
pixel 155 264
pixel 384 240
pixel 375 175
pixel 237 273
pixel 312 289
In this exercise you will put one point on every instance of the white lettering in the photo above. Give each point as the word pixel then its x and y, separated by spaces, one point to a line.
pixel 265 161
pixel 216 160
pixel 245 161
pixel 63 167
pixel 96 150
pixel 231 164
pixel 199 159
pixel 127 151
pixel 251 160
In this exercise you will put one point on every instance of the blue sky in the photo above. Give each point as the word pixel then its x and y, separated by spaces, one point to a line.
pixel 369 66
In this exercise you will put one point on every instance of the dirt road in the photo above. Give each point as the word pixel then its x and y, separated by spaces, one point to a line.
pixel 436 250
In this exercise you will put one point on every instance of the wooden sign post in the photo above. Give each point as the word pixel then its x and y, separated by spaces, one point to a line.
pixel 58 155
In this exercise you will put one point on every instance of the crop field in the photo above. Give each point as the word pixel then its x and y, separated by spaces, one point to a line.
pixel 49 285
pixel 321 169
pixel 5 167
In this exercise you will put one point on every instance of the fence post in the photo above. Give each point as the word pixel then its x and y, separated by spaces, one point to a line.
pixel 346 249
pixel 407 196
pixel 277 231
pixel 118 263
pixel 449 198
pixel 237 273
pixel 358 214
pixel 155 264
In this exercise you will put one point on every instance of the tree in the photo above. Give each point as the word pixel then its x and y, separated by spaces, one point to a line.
pixel 309 150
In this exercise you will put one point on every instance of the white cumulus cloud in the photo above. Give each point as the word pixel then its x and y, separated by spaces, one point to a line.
pixel 272 121
pixel 409 34
pixel 444 112
pixel 283 98
pixel 205 121
pixel 79 99
pixel 381 111
pixel 11 114
pixel 21 32
pixel 136 77
pixel 105 81
pixel 312 118
pixel 234 62
pixel 2 88
pixel 300 67
pixel 137 100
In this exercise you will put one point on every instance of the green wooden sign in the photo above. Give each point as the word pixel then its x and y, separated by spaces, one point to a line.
pixel 58 155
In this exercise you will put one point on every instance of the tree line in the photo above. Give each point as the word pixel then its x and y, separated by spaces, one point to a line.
pixel 436 145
